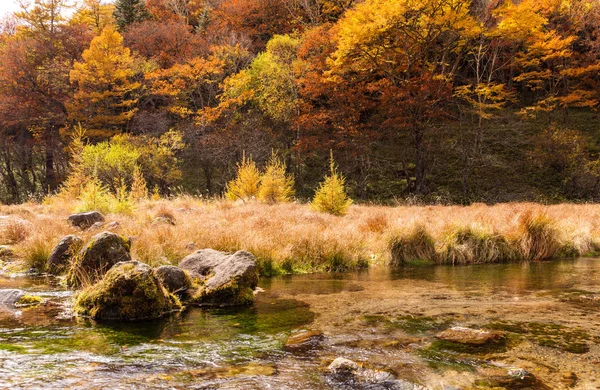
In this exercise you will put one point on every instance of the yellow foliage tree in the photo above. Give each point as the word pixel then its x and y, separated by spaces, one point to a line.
pixel 106 97
pixel 94 14
pixel 139 188
pixel 331 195
pixel 245 185
pixel 275 185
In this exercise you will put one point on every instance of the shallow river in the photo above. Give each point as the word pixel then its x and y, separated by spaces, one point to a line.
pixel 385 319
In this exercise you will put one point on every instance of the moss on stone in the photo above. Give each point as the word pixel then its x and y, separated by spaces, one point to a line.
pixel 574 340
pixel 129 291
pixel 230 294
pixel 28 300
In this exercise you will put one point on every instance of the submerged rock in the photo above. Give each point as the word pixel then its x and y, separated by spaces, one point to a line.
pixel 129 291
pixel 468 336
pixel 513 378
pixel 353 375
pixel 10 296
pixel 304 339
pixel 225 279
pixel 63 252
pixel 86 220
pixel 102 252
pixel 174 279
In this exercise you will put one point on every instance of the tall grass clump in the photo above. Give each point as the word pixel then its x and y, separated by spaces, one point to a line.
pixel 245 185
pixel 537 237
pixel 331 195
pixel 475 245
pixel 14 231
pixel 275 185
pixel 36 251
pixel 413 246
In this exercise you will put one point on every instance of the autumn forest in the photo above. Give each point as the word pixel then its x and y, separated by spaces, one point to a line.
pixel 430 100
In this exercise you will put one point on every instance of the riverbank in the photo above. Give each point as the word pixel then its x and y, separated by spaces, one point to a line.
pixel 290 238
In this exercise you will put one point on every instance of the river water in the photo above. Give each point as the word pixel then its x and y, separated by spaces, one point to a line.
pixel 385 319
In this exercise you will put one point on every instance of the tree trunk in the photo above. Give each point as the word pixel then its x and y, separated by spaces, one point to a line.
pixel 50 172
pixel 420 182
pixel 9 177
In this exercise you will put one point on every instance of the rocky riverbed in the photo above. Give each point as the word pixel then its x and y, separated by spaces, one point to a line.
pixel 529 326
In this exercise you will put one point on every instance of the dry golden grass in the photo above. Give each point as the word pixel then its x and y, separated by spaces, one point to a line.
pixel 292 238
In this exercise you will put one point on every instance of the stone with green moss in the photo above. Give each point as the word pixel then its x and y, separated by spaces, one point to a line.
pixel 28 300
pixel 97 256
pixel 222 279
pixel 60 257
pixel 174 279
pixel 129 291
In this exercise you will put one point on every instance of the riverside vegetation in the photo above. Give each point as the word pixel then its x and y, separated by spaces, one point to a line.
pixel 292 238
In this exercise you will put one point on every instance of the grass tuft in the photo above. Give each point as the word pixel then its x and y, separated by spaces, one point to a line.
pixel 415 246
pixel 537 237
pixel 475 245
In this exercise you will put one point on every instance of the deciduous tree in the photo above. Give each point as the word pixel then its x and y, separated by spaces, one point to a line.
pixel 106 96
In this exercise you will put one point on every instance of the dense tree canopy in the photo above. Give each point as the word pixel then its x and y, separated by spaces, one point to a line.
pixel 440 99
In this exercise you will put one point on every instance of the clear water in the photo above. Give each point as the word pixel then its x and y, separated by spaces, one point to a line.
pixel 363 316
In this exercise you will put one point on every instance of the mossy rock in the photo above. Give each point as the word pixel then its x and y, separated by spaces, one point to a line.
pixel 174 279
pixel 60 257
pixel 129 291
pixel 28 300
pixel 222 279
pixel 97 256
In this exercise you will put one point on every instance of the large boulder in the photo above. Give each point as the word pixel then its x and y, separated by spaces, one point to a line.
pixel 63 252
pixel 129 291
pixel 97 256
pixel 225 279
pixel 174 279
pixel 86 220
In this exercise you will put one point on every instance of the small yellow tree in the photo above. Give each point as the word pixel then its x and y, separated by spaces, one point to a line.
pixel 77 179
pixel 245 185
pixel 275 185
pixel 331 195
pixel 139 188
